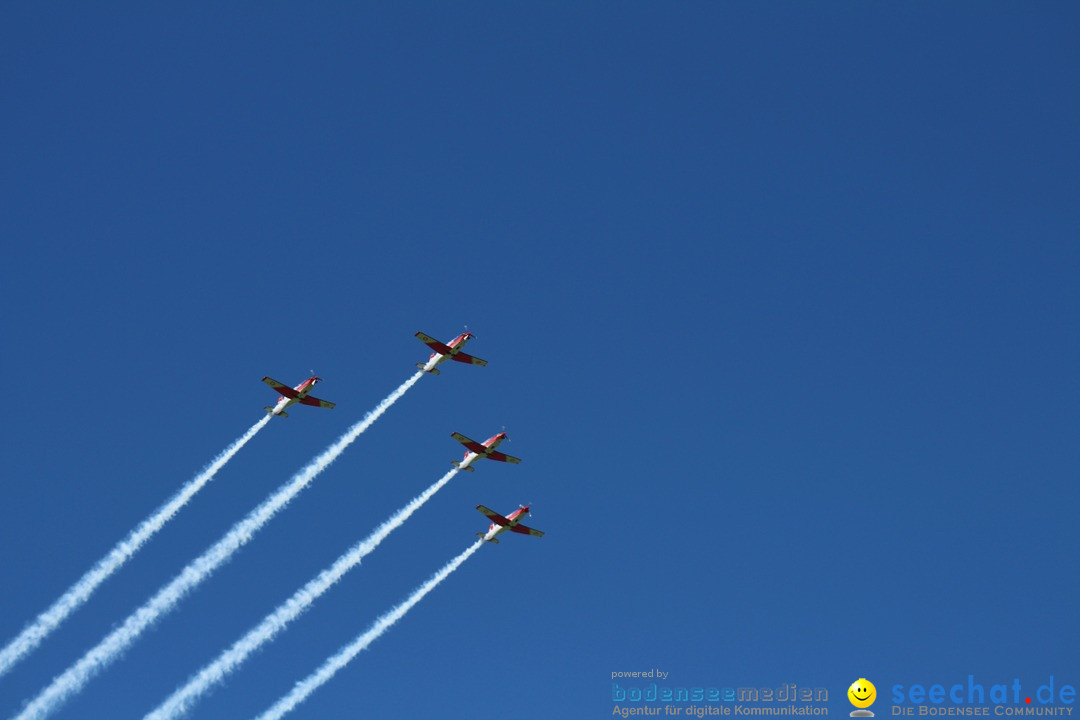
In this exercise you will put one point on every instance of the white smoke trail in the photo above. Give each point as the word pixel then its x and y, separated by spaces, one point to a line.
pixel 313 682
pixel 75 677
pixel 81 591
pixel 185 698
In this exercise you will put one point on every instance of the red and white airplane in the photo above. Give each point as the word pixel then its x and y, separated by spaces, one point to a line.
pixel 486 450
pixel 450 350
pixel 291 396
pixel 500 524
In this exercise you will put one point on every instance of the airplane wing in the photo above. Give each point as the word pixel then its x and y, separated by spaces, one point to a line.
pixel 316 402
pixel 519 528
pixel 281 388
pixel 493 516
pixel 467 358
pixel 503 457
pixel 471 444
pixel 434 344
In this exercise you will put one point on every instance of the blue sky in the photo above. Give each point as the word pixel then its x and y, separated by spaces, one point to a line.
pixel 780 303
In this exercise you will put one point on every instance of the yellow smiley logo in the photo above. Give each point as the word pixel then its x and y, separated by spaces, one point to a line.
pixel 862 693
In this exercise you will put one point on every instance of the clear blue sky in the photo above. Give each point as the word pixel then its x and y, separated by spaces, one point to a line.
pixel 780 302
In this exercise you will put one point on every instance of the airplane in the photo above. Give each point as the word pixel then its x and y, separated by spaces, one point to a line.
pixel 298 394
pixel 500 524
pixel 450 350
pixel 486 450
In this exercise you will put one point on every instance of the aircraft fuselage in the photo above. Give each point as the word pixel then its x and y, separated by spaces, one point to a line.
pixel 494 530
pixel 457 343
pixel 301 391
pixel 491 443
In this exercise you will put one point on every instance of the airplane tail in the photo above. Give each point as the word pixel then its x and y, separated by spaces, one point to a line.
pixel 492 540
pixel 456 464
pixel 271 411
pixel 434 371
